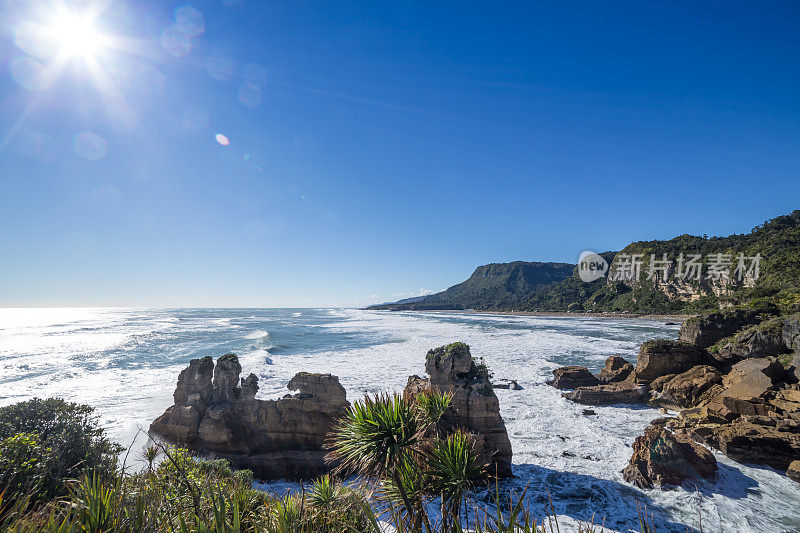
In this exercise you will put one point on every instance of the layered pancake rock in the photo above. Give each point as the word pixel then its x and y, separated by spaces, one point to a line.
pixel 277 439
pixel 474 406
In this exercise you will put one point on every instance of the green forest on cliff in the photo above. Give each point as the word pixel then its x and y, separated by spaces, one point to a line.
pixel 538 286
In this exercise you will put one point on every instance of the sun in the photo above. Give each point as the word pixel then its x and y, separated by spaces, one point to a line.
pixel 76 35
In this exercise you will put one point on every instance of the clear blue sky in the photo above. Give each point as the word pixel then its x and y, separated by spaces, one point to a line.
pixel 376 149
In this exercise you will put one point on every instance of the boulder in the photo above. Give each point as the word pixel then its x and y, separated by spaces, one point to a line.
pixel 794 471
pixel 661 457
pixel 616 369
pixel 506 384
pixel 761 340
pixel 474 406
pixel 751 378
pixel 275 439
pixel 608 394
pixel 748 442
pixel 661 357
pixel 687 389
pixel 744 389
pixel 705 330
pixel 658 384
pixel 571 377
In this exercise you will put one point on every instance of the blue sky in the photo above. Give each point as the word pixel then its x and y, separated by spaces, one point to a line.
pixel 376 149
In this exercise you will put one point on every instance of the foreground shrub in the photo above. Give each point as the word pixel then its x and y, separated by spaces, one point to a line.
pixel 46 443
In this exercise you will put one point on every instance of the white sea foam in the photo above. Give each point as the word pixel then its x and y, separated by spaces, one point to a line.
pixel 126 362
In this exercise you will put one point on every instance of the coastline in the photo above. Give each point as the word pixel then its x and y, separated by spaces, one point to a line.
pixel 649 316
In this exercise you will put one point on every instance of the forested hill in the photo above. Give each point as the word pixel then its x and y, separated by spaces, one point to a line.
pixel 537 286
pixel 494 286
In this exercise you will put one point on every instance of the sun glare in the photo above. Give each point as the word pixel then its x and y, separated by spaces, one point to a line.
pixel 76 35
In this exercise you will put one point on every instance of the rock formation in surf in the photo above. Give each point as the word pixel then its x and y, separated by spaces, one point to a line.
pixel 218 414
pixel 733 378
pixel 474 406
pixel 661 457
pixel 614 384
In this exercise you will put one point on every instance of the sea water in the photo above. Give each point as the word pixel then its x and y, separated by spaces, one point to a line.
pixel 125 363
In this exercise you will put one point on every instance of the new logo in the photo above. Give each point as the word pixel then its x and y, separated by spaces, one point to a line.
pixel 591 266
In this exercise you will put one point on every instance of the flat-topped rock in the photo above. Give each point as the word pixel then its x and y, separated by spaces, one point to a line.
pixel 275 439
pixel 571 377
pixel 661 357
pixel 608 394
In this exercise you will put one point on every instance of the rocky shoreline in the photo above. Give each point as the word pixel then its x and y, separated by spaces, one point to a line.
pixel 678 319
pixel 732 377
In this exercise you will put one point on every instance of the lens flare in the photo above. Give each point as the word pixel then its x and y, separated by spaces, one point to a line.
pixel 75 34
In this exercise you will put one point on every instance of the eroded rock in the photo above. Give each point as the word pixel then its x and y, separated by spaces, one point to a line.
pixel 474 406
pixel 274 438
pixel 791 332
pixel 687 389
pixel 509 384
pixel 748 381
pixel 748 442
pixel 571 377
pixel 661 357
pixel 704 330
pixel 761 340
pixel 607 394
pixel 616 369
pixel 661 457
pixel 794 471
pixel 658 384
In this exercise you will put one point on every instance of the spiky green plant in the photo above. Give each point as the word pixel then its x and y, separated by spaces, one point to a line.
pixel 325 493
pixel 411 480
pixel 376 436
pixel 96 505
pixel 433 405
pixel 453 467
pixel 150 454
pixel 286 515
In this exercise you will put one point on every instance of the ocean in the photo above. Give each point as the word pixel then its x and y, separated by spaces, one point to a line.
pixel 125 363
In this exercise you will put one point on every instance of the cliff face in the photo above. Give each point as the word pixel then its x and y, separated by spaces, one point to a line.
pixel 216 413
